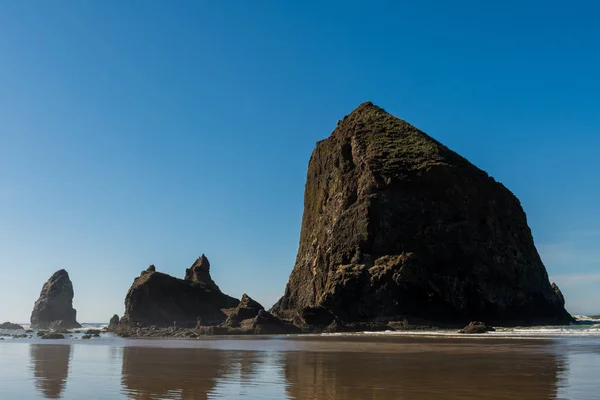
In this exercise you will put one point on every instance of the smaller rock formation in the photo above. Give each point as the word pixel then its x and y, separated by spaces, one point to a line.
pixel 164 301
pixel 476 327
pixel 267 323
pixel 247 309
pixel 55 305
pixel 11 327
pixel 113 324
pixel 53 336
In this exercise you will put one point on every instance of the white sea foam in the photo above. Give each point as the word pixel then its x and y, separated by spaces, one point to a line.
pixel 584 326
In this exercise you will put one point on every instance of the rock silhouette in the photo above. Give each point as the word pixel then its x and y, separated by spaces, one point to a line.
pixel 396 226
pixel 55 304
pixel 9 326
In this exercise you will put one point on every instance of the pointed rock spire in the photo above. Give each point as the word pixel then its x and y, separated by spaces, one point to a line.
pixel 55 305
pixel 200 272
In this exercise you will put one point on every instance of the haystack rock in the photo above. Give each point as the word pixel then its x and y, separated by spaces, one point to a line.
pixel 162 300
pixel 396 226
pixel 55 305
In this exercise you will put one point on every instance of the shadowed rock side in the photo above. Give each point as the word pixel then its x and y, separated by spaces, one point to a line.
pixel 162 300
pixel 54 309
pixel 398 227
pixel 50 366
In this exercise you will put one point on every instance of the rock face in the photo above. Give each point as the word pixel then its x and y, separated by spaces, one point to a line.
pixel 397 226
pixel 162 300
pixel 55 305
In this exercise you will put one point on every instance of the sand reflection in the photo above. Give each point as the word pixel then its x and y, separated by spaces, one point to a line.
pixel 426 376
pixel 171 373
pixel 50 366
pixel 352 370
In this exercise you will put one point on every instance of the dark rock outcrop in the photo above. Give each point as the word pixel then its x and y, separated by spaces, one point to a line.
pixel 250 317
pixel 113 324
pixel 248 308
pixel 164 301
pixel 55 304
pixel 11 327
pixel 53 335
pixel 266 323
pixel 397 226
pixel 476 327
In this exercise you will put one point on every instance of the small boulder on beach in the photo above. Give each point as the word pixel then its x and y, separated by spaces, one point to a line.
pixel 476 327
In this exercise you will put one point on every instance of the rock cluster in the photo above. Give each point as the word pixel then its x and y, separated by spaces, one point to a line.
pixel 159 305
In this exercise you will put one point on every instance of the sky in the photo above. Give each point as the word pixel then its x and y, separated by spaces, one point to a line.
pixel 150 132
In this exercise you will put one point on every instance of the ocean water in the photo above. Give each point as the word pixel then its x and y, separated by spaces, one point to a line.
pixel 519 363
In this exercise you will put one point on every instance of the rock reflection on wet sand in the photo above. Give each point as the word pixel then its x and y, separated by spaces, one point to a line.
pixel 424 376
pixel 305 369
pixel 176 373
pixel 337 370
pixel 50 366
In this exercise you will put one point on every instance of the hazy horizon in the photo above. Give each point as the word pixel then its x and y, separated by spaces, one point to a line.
pixel 138 133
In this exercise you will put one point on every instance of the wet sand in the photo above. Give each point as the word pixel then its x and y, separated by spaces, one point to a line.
pixel 310 367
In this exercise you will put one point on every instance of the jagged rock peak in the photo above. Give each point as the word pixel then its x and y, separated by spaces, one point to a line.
pixel 248 302
pixel 200 272
pixel 55 304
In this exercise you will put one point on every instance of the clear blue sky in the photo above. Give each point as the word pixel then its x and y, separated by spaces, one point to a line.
pixel 139 132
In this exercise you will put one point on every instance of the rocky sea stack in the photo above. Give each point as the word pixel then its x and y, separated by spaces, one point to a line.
pixel 159 305
pixel 162 300
pixel 397 227
pixel 54 309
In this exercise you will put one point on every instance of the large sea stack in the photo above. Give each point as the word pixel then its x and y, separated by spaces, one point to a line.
pixel 162 300
pixel 54 308
pixel 396 226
